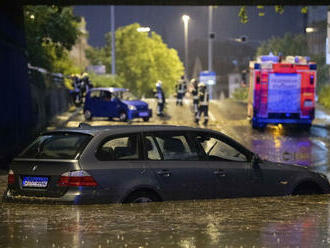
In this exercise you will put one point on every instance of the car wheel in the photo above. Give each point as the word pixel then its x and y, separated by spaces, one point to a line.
pixel 142 197
pixel 145 118
pixel 88 115
pixel 123 116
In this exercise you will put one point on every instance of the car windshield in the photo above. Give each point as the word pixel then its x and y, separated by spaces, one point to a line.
pixel 56 146
pixel 125 95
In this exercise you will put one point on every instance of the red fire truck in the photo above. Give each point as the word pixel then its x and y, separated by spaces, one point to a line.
pixel 281 91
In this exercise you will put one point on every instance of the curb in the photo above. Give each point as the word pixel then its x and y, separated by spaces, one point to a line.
pixel 321 126
pixel 74 114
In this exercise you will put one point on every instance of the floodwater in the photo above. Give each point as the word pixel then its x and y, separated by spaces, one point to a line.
pixel 293 221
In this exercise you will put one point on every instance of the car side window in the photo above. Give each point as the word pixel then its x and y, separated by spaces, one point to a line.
pixel 175 147
pixel 119 148
pixel 95 94
pixel 213 148
pixel 151 149
pixel 106 96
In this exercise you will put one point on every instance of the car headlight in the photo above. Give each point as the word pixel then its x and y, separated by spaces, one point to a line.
pixel 131 107
pixel 326 176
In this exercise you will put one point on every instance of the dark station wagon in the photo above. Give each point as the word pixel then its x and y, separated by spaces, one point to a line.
pixel 120 164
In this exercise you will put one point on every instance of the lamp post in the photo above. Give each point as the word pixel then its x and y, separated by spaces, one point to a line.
pixel 185 19
pixel 113 41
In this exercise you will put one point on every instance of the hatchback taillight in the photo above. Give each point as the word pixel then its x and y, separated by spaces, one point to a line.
pixel 11 177
pixel 76 178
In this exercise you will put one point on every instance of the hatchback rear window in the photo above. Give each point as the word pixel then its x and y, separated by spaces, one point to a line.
pixel 57 146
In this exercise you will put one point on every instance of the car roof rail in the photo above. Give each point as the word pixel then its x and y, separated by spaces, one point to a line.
pixel 84 125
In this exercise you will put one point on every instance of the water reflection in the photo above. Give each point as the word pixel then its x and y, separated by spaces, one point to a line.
pixel 267 222
pixel 285 145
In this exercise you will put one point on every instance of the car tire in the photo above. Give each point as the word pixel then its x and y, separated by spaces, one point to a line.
pixel 145 118
pixel 88 115
pixel 123 116
pixel 142 197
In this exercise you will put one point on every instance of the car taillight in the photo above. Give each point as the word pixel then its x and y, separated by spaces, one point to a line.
pixel 11 177
pixel 76 178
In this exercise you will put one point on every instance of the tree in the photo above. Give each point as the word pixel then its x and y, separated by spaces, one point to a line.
pixel 140 60
pixel 50 33
pixel 289 44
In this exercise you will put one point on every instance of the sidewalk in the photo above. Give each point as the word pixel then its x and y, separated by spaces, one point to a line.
pixel 62 119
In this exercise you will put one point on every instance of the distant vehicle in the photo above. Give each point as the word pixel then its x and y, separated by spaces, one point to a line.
pixel 115 103
pixel 282 91
pixel 141 163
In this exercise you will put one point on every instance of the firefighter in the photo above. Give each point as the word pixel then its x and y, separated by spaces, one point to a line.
pixel 194 82
pixel 85 82
pixel 76 92
pixel 181 88
pixel 203 104
pixel 160 99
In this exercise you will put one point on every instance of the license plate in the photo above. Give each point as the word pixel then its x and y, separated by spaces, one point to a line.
pixel 144 114
pixel 35 182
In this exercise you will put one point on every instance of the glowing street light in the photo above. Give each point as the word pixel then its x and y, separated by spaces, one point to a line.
pixel 143 29
pixel 310 30
pixel 185 19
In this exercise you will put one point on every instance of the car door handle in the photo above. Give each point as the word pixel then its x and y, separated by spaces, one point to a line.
pixel 219 172
pixel 164 173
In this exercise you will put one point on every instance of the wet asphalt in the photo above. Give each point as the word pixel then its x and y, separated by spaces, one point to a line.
pixel 293 221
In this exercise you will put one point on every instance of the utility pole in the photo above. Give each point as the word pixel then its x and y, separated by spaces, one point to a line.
pixel 210 39
pixel 210 52
pixel 113 41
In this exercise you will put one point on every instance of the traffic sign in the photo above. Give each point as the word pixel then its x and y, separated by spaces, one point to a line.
pixel 207 77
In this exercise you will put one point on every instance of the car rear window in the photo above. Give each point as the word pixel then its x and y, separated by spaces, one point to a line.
pixel 57 146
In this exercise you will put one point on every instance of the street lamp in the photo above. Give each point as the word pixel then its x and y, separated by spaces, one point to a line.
pixel 310 29
pixel 185 19
pixel 143 29
pixel 113 41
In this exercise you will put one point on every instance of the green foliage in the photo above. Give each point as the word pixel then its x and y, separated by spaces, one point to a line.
pixel 243 15
pixel 289 44
pixel 140 60
pixel 324 96
pixel 106 80
pixel 261 12
pixel 279 9
pixel 322 71
pixel 50 33
pixel 241 93
pixel 99 56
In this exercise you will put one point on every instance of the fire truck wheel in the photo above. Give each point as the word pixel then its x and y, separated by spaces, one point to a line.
pixel 258 125
pixel 306 127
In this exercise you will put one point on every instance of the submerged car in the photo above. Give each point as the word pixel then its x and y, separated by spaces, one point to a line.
pixel 115 103
pixel 139 163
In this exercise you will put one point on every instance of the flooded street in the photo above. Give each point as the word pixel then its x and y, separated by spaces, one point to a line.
pixel 255 222
pixel 293 221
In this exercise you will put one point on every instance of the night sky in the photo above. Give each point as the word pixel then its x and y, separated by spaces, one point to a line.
pixel 166 21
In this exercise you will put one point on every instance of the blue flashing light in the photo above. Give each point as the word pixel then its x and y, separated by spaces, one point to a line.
pixel 287 114
pixel 257 66
pixel 313 67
